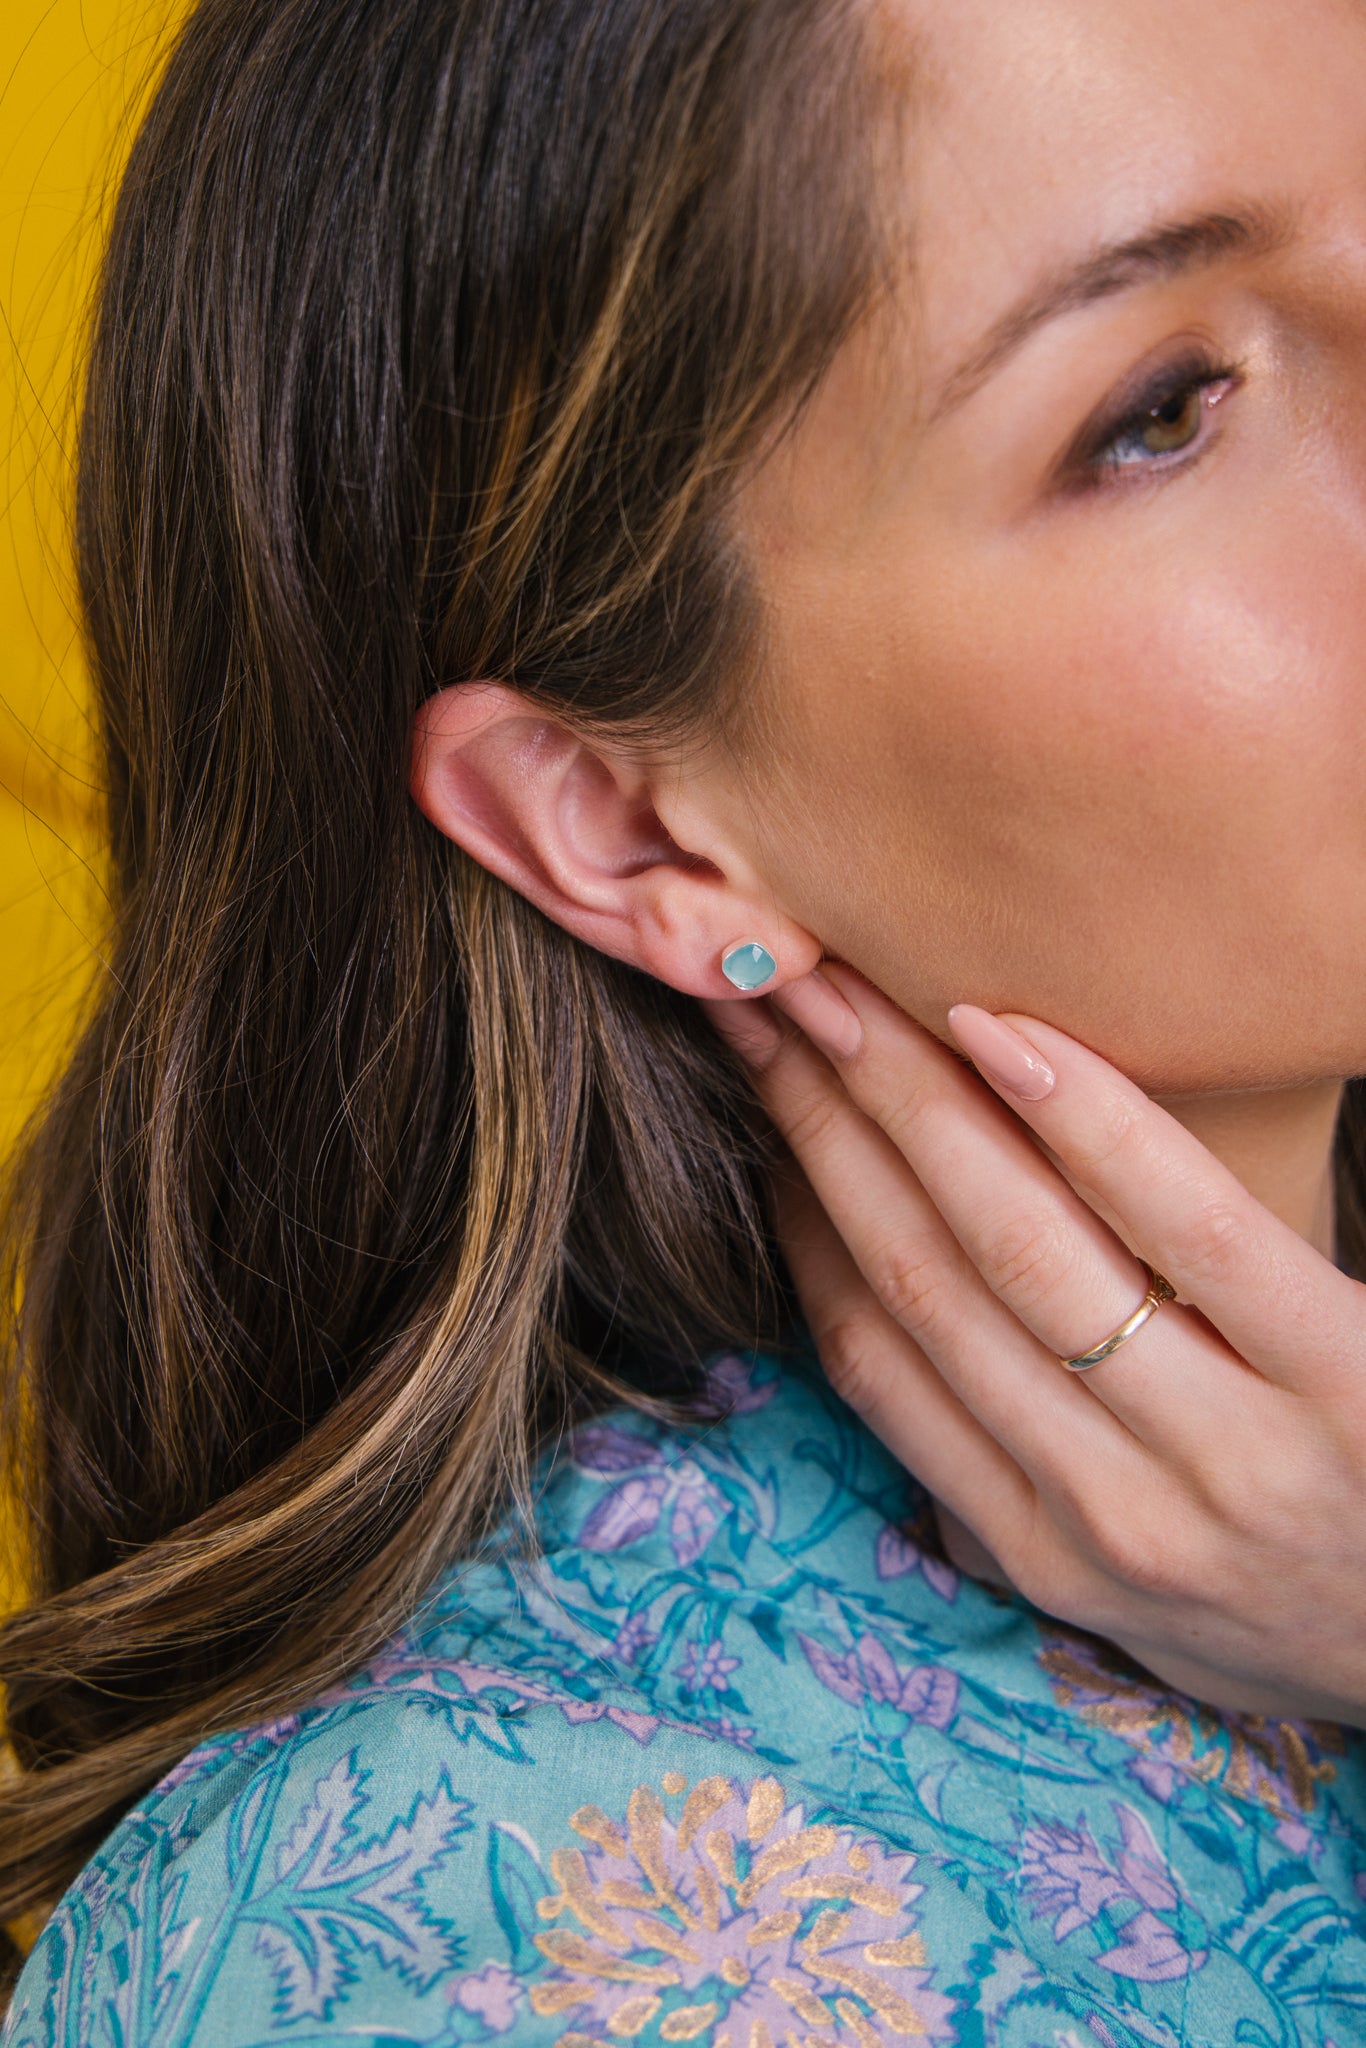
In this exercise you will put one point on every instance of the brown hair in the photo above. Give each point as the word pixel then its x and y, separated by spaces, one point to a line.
pixel 431 339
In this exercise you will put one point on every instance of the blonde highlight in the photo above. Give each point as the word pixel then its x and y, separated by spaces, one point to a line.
pixel 365 1177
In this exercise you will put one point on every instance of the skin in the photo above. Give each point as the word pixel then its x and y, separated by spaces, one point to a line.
pixel 1068 726
pixel 1123 695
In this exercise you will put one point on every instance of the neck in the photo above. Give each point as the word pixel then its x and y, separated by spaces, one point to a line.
pixel 1279 1144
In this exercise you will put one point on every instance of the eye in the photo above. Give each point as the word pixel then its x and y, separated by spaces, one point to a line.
pixel 1175 423
pixel 1168 419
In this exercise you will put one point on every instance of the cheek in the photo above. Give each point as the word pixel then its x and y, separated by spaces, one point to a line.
pixel 1200 726
pixel 1132 802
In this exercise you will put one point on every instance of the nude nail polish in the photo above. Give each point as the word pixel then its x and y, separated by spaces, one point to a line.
pixel 1003 1057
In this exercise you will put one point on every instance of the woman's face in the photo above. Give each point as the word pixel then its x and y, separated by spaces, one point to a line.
pixel 1066 563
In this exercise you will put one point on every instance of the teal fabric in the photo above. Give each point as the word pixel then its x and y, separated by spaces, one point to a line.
pixel 741 1760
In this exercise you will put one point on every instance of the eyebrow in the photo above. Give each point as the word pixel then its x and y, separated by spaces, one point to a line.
pixel 1159 253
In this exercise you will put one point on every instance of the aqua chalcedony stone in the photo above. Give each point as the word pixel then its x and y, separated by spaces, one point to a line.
pixel 749 966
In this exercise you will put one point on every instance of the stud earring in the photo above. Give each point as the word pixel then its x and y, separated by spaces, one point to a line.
pixel 748 965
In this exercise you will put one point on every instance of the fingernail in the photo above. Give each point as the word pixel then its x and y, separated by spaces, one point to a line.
pixel 818 1009
pixel 747 1028
pixel 1006 1059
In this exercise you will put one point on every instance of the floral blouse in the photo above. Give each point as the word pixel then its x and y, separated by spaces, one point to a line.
pixel 741 1761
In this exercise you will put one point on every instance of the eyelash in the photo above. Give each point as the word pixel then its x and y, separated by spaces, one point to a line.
pixel 1096 462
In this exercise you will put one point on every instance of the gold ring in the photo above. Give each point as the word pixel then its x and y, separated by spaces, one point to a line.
pixel 1159 1290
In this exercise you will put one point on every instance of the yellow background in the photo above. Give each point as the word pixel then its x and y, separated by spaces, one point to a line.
pixel 72 77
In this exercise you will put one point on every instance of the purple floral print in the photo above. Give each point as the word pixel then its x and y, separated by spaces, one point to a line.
pixel 913 1546
pixel 1278 1764
pixel 737 1386
pixel 706 1667
pixel 927 1692
pixel 1070 1881
pixel 493 1993
pixel 718 1911
pixel 646 1489
pixel 634 1636
pixel 881 1803
pixel 1066 1877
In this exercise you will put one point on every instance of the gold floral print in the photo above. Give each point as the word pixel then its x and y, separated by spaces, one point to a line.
pixel 1276 1764
pixel 735 1918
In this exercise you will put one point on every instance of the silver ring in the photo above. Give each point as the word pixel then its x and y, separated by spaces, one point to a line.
pixel 1159 1290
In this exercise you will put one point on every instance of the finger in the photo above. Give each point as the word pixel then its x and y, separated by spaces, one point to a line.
pixel 996 1525
pixel 1037 1246
pixel 963 1549
pixel 923 1278
pixel 887 1380
pixel 1280 1304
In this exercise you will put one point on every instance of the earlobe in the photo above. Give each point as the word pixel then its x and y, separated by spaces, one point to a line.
pixel 574 827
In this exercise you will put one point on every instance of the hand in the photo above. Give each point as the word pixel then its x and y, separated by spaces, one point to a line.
pixel 1199 1497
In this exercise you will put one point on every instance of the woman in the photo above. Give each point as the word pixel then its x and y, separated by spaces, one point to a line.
pixel 585 514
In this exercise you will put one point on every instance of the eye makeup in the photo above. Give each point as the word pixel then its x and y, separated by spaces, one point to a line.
pixel 1155 426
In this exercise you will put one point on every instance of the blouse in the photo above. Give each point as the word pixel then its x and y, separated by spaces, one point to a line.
pixel 737 1759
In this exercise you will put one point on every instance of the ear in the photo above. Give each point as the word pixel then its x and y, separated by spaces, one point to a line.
pixel 575 828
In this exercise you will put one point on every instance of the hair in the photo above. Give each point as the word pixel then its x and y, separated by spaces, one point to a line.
pixel 430 343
